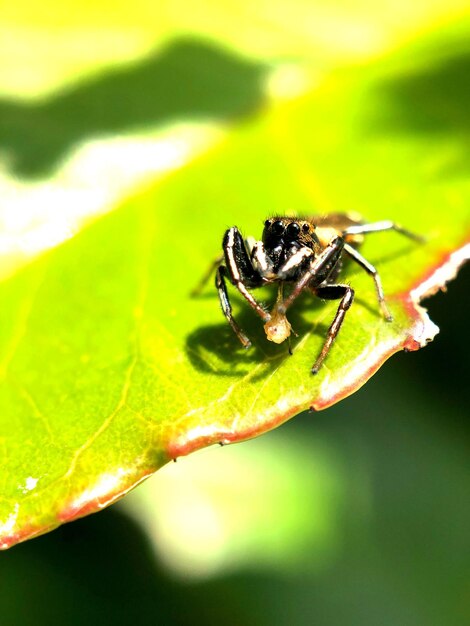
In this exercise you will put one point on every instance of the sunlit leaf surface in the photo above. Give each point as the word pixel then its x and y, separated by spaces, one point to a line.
pixel 108 369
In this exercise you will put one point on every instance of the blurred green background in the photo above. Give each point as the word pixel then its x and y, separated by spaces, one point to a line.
pixel 358 515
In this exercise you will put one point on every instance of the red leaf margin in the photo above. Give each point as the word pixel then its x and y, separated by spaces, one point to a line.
pixel 423 331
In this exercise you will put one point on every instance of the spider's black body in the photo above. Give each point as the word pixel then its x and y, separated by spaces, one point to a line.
pixel 306 252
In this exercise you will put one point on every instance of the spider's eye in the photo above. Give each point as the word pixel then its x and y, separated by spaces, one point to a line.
pixel 277 228
pixel 292 231
pixel 267 223
pixel 305 228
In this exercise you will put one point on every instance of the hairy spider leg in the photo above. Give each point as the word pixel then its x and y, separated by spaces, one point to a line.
pixel 372 271
pixel 377 227
pixel 226 306
pixel 333 292
pixel 241 271
pixel 318 271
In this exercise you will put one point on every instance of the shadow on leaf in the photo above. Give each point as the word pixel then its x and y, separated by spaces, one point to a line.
pixel 215 348
pixel 188 80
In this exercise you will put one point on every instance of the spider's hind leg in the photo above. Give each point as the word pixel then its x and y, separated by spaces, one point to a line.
pixel 378 227
pixel 371 270
pixel 205 277
pixel 374 227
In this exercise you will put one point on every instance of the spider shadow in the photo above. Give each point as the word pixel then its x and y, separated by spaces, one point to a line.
pixel 403 251
pixel 215 349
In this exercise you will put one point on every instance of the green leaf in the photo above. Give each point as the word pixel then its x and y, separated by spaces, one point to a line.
pixel 109 369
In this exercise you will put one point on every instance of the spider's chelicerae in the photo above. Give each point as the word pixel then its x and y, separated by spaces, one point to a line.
pixel 306 252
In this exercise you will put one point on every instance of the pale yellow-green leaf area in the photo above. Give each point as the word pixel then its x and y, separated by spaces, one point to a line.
pixel 50 44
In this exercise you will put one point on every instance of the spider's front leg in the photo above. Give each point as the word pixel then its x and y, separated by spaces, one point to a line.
pixel 333 292
pixel 227 307
pixel 316 278
pixel 239 270
pixel 318 272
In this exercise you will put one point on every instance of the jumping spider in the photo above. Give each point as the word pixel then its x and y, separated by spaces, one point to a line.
pixel 304 251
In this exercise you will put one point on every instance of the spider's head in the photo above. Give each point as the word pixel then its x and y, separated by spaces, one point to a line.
pixel 283 237
pixel 288 231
